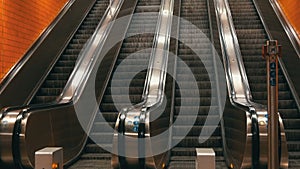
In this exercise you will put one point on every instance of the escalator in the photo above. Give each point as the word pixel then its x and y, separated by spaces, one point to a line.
pixel 251 37
pixel 183 155
pixel 127 65
pixel 57 78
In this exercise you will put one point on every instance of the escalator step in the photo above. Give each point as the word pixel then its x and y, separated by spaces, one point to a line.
pixel 186 95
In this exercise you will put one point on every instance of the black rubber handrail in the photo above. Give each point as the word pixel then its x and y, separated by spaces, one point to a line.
pixel 255 140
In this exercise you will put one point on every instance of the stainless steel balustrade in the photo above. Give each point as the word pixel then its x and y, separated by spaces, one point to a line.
pixel 26 129
pixel 88 57
pixel 254 116
pixel 152 99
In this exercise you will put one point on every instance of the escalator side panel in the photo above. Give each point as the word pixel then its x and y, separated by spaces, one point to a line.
pixel 19 90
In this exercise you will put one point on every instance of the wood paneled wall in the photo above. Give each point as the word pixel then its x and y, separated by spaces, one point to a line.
pixel 292 12
pixel 21 23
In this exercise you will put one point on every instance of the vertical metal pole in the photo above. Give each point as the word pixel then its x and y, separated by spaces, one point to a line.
pixel 271 52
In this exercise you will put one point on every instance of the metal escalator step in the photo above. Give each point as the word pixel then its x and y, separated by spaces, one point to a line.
pixel 199 120
pixel 109 117
pixel 192 57
pixel 152 8
pixel 281 104
pixel 41 99
pixel 190 101
pixel 92 164
pixel 54 83
pixel 58 76
pixel 72 51
pixel 182 164
pixel 66 63
pixel 133 98
pixel 194 131
pixel 282 95
pixel 97 156
pixel 291 123
pixel 50 91
pixel 133 50
pixel 202 110
pixel 288 113
pixel 262 79
pixel 292 134
pixel 179 162
pixel 249 27
pixel 294 155
pixel 64 69
pixel 195 46
pixel 188 141
pixel 76 46
pixel 99 125
pixel 128 75
pixel 94 148
pixel 111 107
pixel 69 57
pixel 188 151
pixel 102 138
pixel 136 45
pixel 186 86
pixel 201 77
pixel 293 146
pixel 263 87
pixel 135 66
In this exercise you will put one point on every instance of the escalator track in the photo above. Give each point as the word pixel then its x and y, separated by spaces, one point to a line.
pixel 56 80
pixel 183 154
pixel 93 156
pixel 251 36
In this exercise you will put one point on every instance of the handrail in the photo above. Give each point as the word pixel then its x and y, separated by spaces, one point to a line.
pixel 87 60
pixel 15 69
pixel 239 89
pixel 88 56
pixel 290 31
pixel 154 88
pixel 238 86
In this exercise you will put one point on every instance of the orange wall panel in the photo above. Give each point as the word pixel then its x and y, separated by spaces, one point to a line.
pixel 292 12
pixel 21 23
